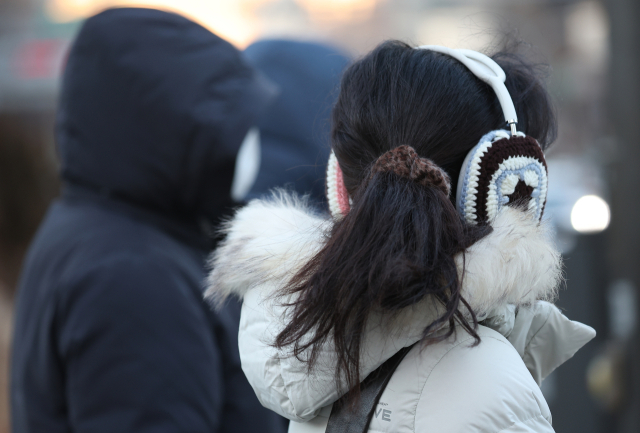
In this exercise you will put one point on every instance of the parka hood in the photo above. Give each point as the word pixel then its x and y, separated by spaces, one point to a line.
pixel 508 278
pixel 294 133
pixel 153 110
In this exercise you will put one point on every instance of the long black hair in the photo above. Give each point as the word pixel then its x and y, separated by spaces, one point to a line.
pixel 397 244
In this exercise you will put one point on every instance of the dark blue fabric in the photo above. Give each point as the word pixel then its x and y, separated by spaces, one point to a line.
pixel 166 93
pixel 294 132
pixel 111 332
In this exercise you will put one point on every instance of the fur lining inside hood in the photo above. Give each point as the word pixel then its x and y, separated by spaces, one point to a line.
pixel 269 240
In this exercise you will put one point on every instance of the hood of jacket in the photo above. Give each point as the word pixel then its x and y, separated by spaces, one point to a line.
pixel 509 276
pixel 153 110
pixel 270 239
pixel 294 132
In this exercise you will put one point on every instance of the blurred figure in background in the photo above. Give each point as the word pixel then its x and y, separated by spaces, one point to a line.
pixel 294 132
pixel 111 333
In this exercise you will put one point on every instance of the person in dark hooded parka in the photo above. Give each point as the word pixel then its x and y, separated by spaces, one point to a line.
pixel 111 332
pixel 294 131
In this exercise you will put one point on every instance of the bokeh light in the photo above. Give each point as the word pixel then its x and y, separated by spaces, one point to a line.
pixel 237 20
pixel 232 20
pixel 339 10
pixel 590 214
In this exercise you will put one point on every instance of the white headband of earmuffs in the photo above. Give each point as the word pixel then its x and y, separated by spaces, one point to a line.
pixel 488 71
pixel 482 188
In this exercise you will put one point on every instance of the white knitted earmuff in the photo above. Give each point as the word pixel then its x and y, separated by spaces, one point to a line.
pixel 501 169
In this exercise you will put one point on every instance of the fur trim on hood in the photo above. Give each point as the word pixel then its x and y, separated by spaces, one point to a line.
pixel 269 240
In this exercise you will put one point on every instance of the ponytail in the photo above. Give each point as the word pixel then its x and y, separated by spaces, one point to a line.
pixel 395 247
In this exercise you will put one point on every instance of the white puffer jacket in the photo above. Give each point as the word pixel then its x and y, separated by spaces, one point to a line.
pixel 451 386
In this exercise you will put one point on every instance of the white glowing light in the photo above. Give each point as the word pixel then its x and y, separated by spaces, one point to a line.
pixel 238 21
pixel 590 214
pixel 233 20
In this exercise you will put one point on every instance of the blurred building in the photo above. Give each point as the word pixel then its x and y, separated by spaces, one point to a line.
pixel 599 114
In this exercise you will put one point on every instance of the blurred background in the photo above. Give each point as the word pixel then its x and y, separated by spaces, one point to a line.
pixel 593 50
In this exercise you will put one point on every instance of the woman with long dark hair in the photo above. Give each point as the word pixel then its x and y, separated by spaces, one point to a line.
pixel 435 251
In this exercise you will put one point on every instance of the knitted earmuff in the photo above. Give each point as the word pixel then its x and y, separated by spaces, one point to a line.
pixel 403 160
pixel 501 169
pixel 337 195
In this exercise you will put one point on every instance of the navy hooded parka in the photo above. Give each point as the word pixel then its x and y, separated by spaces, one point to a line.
pixel 111 332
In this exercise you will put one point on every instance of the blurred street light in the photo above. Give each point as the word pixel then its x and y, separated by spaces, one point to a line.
pixel 590 214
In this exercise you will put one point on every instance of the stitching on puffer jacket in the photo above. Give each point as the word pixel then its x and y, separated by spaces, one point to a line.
pixel 540 408
pixel 288 392
pixel 522 422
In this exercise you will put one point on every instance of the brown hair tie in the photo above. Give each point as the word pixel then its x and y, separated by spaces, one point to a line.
pixel 405 162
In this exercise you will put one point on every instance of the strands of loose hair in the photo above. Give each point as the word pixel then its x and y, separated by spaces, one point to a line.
pixel 395 247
